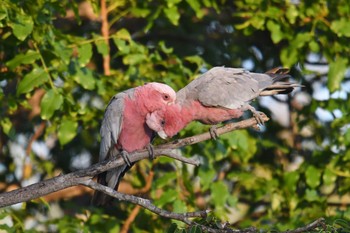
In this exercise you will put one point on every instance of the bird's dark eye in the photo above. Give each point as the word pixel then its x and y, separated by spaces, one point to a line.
pixel 166 97
pixel 162 122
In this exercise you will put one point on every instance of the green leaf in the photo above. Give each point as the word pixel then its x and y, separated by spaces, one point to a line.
pixel 301 39
pixel 140 13
pixel 28 58
pixel 6 125
pixel 195 59
pixel 122 46
pixel 33 79
pixel 22 26
pixel 85 54
pixel 290 181
pixel 206 177
pixel 219 193
pixel 172 14
pixel 292 13
pixel 133 59
pixel 242 144
pixel 336 73
pixel 102 46
pixel 276 32
pixel 195 229
pixel 171 3
pixel 50 103
pixel 179 206
pixel 311 195
pixel 85 78
pixel 3 12
pixel 62 51
pixel 164 48
pixel 196 6
pixel 168 196
pixel 165 179
pixel 67 131
pixel 343 224
pixel 313 176
pixel 122 34
pixel 329 177
pixel 289 56
pixel 341 27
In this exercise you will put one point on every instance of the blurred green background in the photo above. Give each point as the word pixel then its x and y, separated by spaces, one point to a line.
pixel 57 74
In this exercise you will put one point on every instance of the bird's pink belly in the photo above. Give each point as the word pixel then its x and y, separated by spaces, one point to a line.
pixel 212 116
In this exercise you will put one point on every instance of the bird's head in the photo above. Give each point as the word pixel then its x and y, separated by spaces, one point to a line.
pixel 158 96
pixel 165 121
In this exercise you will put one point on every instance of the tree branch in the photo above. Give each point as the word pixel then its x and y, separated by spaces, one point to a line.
pixel 105 34
pixel 315 224
pixel 84 177
pixel 78 177
pixel 144 203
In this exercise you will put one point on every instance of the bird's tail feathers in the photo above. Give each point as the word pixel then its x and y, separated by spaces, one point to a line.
pixel 278 86
pixel 278 74
pixel 99 198
pixel 111 179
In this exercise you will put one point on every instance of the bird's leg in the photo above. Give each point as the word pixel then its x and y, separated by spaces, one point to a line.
pixel 150 149
pixel 257 114
pixel 213 133
pixel 125 155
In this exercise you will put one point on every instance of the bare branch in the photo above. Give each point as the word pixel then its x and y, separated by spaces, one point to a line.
pixel 84 177
pixel 312 226
pixel 105 34
pixel 75 178
pixel 251 122
pixel 144 203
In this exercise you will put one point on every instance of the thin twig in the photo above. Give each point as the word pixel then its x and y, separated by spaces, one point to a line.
pixel 130 219
pixel 35 136
pixel 137 208
pixel 145 203
pixel 315 224
pixel 105 34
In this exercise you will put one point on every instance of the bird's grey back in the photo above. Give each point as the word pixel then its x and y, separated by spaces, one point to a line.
pixel 225 87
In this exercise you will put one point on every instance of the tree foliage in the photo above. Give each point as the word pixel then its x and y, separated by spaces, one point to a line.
pixel 54 91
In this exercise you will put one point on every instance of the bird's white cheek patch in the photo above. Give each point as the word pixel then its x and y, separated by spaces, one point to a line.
pixel 151 121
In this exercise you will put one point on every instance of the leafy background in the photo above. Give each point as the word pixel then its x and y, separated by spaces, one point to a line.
pixel 55 86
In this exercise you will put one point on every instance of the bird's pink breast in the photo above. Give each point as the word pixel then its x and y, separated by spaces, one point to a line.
pixel 135 134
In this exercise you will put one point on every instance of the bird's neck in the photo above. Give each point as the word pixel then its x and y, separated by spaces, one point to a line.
pixel 179 116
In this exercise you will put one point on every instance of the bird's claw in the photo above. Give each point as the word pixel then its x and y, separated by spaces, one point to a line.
pixel 150 149
pixel 259 116
pixel 125 155
pixel 213 133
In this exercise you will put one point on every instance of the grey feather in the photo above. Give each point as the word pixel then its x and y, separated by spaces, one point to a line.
pixel 231 88
pixel 110 130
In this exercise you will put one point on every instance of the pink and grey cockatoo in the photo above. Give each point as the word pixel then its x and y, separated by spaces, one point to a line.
pixel 218 95
pixel 124 128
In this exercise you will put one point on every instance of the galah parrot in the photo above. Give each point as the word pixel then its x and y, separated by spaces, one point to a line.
pixel 218 95
pixel 124 129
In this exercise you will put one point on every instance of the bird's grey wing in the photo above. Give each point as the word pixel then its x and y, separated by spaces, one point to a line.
pixel 110 131
pixel 112 123
pixel 230 87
